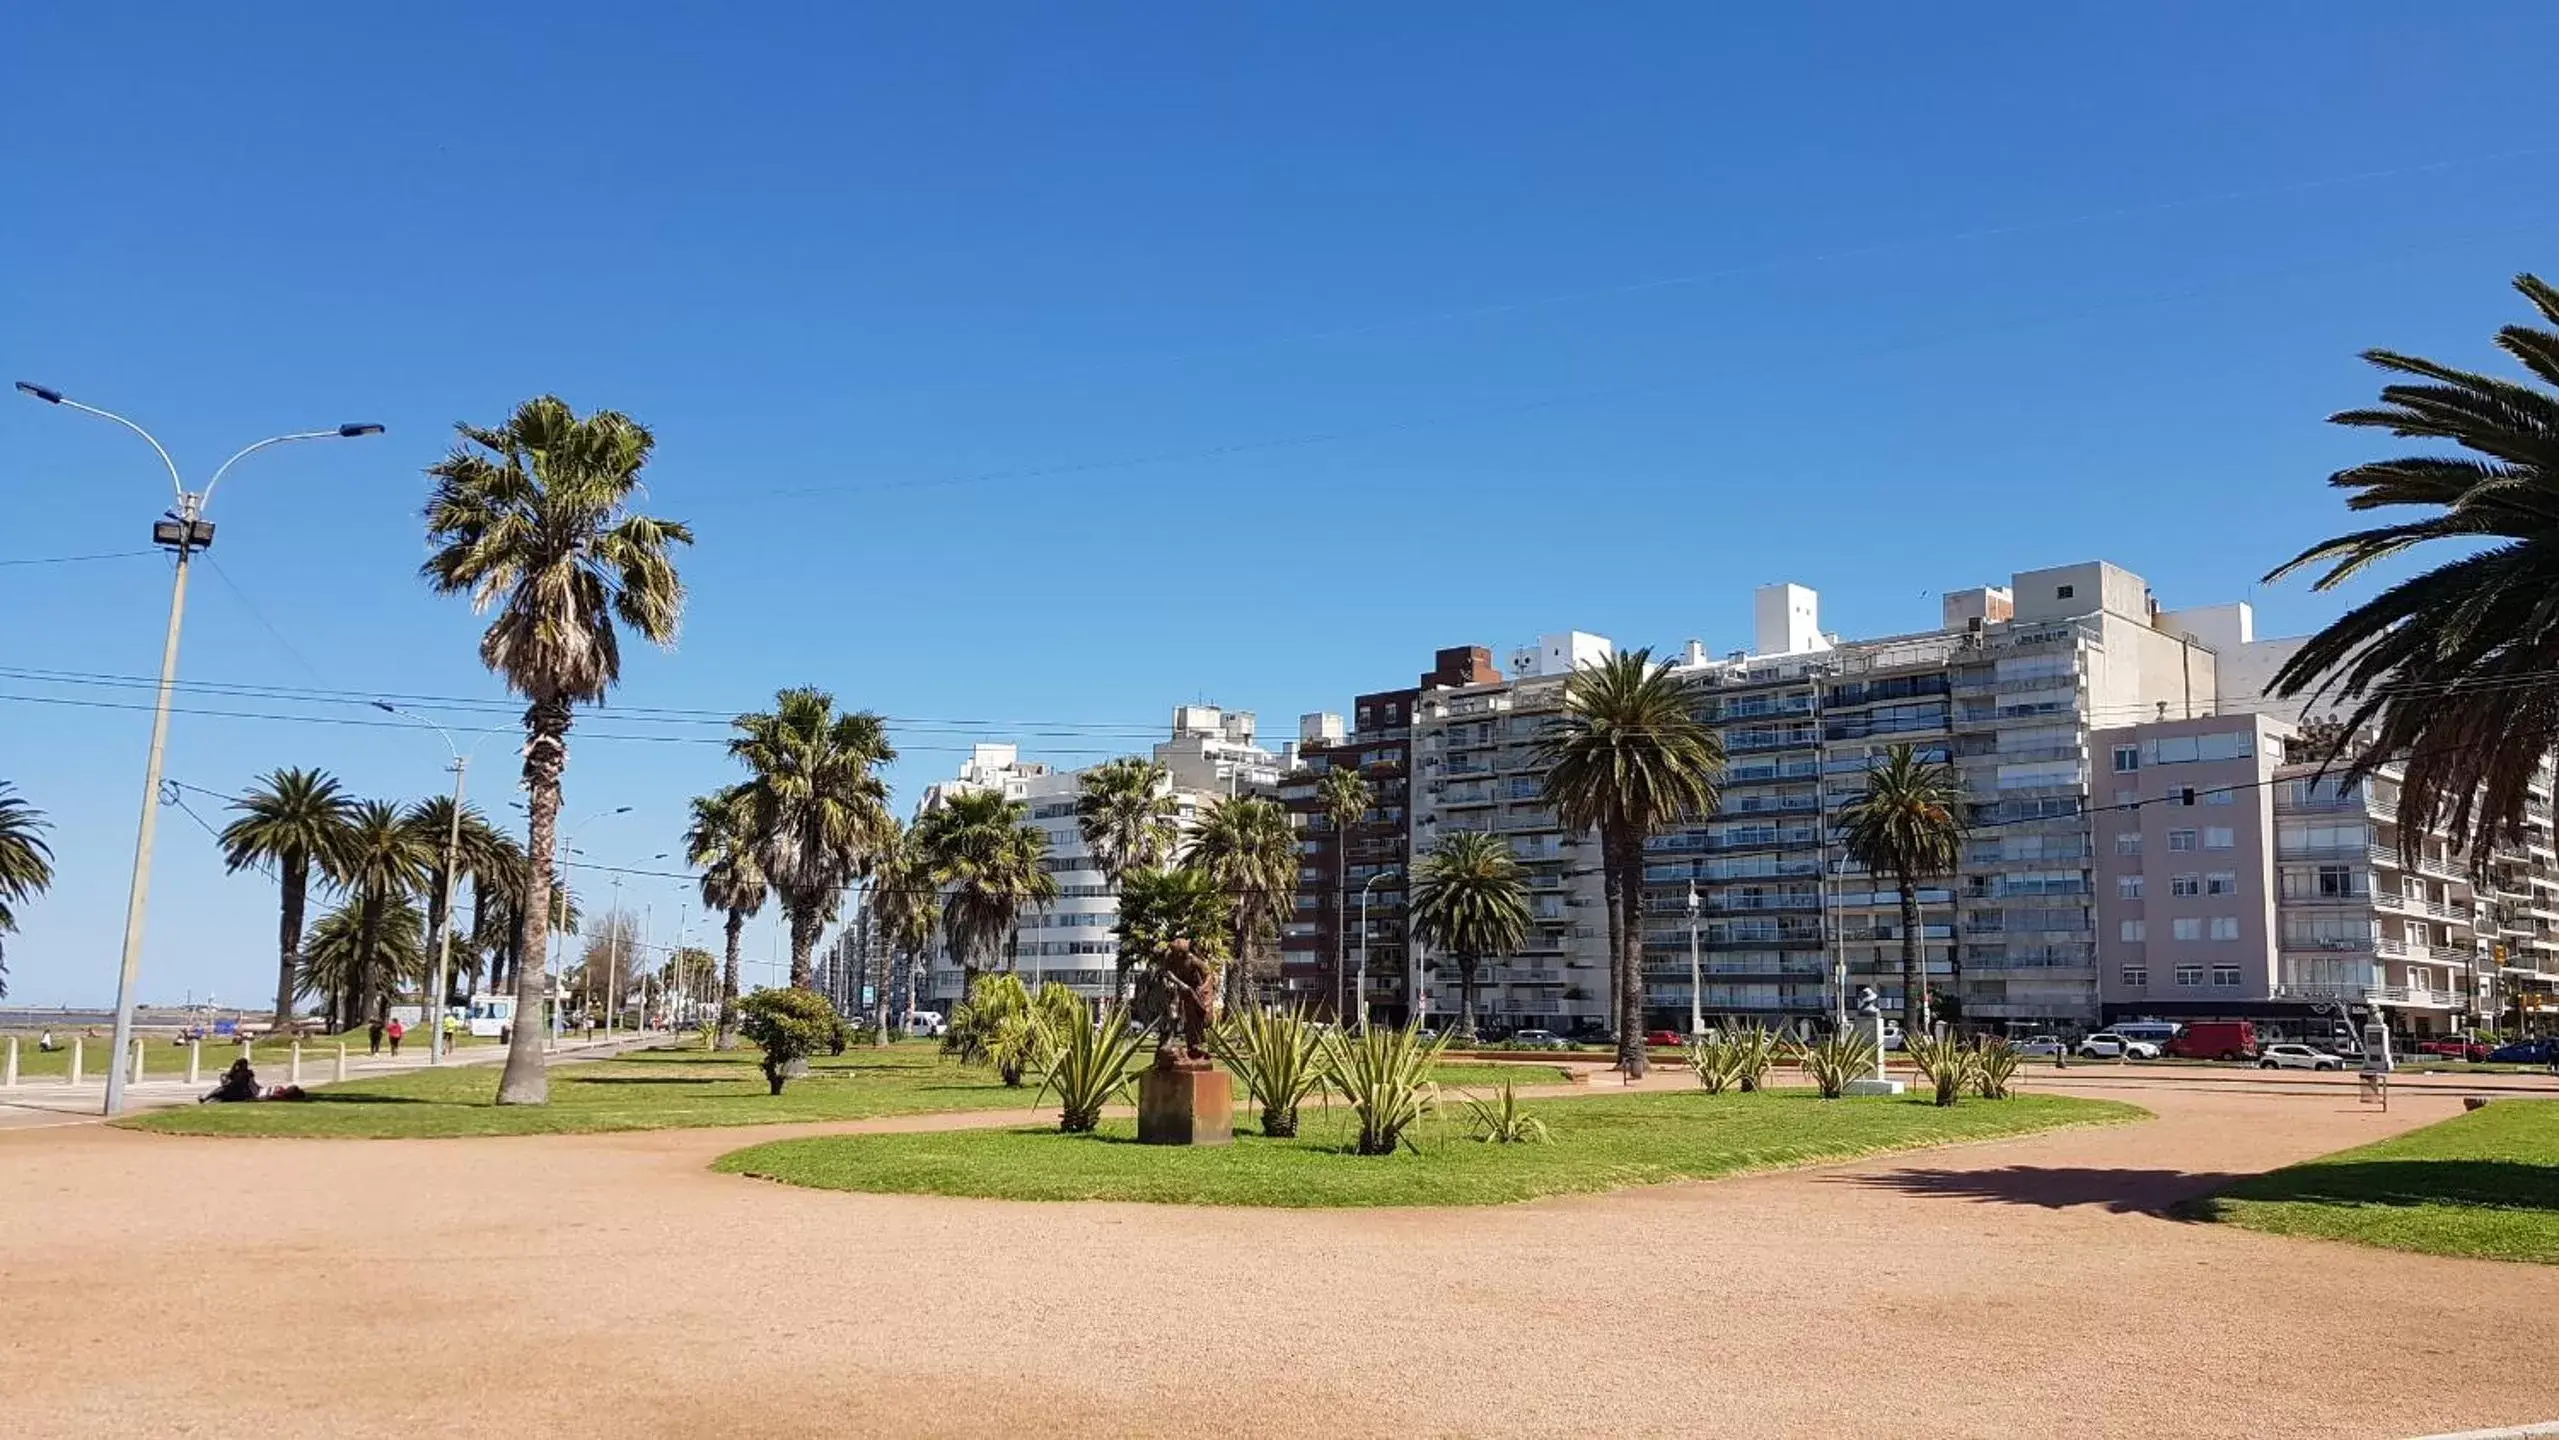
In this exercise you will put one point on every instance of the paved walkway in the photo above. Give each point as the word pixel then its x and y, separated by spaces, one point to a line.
pixel 449 1288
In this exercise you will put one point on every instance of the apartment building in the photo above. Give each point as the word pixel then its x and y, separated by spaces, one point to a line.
pixel 1347 881
pixel 1213 752
pixel 2242 877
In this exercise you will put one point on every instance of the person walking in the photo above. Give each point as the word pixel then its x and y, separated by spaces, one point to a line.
pixel 393 1032
pixel 373 1037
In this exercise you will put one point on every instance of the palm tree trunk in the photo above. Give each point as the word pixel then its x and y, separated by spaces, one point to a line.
pixel 546 754
pixel 1466 995
pixel 376 986
pixel 297 882
pixel 1913 984
pixel 1622 868
pixel 805 926
pixel 728 982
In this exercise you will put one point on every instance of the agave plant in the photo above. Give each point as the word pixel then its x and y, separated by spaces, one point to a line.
pixel 1946 1062
pixel 996 1026
pixel 1710 1059
pixel 1500 1121
pixel 1831 1063
pixel 1088 1060
pixel 1754 1054
pixel 1385 1076
pixel 1995 1063
pixel 1277 1055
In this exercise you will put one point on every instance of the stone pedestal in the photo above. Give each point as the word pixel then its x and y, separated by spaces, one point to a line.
pixel 1872 1087
pixel 1181 1106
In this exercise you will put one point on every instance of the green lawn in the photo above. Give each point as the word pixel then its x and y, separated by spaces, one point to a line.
pixel 647 1090
pixel 1601 1143
pixel 2484 1184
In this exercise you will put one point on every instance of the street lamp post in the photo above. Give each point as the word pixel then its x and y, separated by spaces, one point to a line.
pixel 183 530
pixel 432 1013
pixel 1359 990
pixel 1696 974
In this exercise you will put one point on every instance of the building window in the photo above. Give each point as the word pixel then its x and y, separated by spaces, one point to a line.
pixel 2225 927
pixel 2185 884
pixel 2128 887
pixel 2128 842
pixel 2225 977
pixel 2222 796
pixel 2187 927
pixel 2222 882
pixel 2136 977
pixel 2132 932
pixel 2062 592
pixel 2190 975
pixel 2181 839
pixel 2219 837
pixel 2127 757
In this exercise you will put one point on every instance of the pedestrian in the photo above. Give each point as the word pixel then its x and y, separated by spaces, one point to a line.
pixel 373 1036
pixel 44 1043
pixel 393 1032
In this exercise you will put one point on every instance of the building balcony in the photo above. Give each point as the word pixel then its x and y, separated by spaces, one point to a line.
pixel 2400 995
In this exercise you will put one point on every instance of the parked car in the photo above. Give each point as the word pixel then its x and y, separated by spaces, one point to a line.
pixel 1538 1040
pixel 2149 1032
pixel 2040 1047
pixel 2453 1047
pixel 2215 1040
pixel 1670 1039
pixel 2526 1052
pixel 2291 1056
pixel 2107 1046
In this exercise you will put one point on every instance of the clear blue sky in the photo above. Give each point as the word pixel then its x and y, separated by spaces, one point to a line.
pixel 1059 363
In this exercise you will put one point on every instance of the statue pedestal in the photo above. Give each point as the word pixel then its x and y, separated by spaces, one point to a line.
pixel 1185 1107
pixel 1872 1087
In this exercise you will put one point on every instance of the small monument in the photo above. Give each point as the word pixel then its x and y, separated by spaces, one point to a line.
pixel 1870 1013
pixel 1184 1099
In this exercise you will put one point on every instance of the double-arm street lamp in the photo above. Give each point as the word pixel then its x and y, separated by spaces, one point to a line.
pixel 183 530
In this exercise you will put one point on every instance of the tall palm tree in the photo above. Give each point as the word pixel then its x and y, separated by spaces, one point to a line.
pixel 1471 901
pixel 2455 672
pixel 1909 824
pixel 721 844
pixel 1628 758
pixel 432 820
pixel 382 868
pixel 533 519
pixel 1245 844
pixel 904 902
pixel 26 863
pixel 355 951
pixel 990 861
pixel 1124 809
pixel 1343 797
pixel 815 804
pixel 297 821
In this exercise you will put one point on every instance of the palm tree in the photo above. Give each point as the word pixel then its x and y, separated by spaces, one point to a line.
pixel 297 821
pixel 815 805
pixel 1470 900
pixel 497 906
pixel 904 902
pixel 382 867
pixel 533 518
pixel 1909 825
pixel 354 951
pixel 1124 809
pixel 2454 673
pixel 991 863
pixel 1343 797
pixel 26 863
pixel 432 820
pixel 721 844
pixel 1245 844
pixel 1627 758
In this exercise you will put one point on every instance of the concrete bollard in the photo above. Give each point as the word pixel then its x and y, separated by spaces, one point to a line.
pixel 244 1050
pixel 9 1066
pixel 79 1054
pixel 293 1075
pixel 135 1072
pixel 342 1062
pixel 195 1062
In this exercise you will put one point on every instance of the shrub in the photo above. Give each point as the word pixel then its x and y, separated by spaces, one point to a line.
pixel 1385 1076
pixel 1712 1062
pixel 1754 1051
pixel 1501 1122
pixel 1830 1064
pixel 1946 1062
pixel 995 1026
pixel 1276 1054
pixel 789 1026
pixel 1995 1064
pixel 1086 1059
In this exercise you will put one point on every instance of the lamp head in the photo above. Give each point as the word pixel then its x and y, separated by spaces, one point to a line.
pixel 50 397
pixel 352 431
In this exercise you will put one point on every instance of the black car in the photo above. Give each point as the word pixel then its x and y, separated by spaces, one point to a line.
pixel 2525 1052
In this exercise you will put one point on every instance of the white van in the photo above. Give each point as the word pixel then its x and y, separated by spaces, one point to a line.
pixel 925 1024
pixel 2155 1032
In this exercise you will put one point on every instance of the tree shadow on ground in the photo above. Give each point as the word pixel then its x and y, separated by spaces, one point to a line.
pixel 2124 1192
pixel 338 1097
pixel 583 1080
pixel 2485 1184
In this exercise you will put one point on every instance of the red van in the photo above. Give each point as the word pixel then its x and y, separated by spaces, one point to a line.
pixel 2215 1040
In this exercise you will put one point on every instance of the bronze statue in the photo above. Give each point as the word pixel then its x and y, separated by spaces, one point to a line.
pixel 1189 1007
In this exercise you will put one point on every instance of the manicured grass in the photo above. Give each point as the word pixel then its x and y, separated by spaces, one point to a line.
pixel 649 1090
pixel 2484 1184
pixel 1601 1143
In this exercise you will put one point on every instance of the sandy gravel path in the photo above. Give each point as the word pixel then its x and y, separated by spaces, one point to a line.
pixel 609 1284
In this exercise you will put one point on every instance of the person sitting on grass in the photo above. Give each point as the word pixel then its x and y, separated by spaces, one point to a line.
pixel 238 1083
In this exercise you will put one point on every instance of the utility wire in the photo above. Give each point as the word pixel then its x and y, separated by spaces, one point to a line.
pixel 76 559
